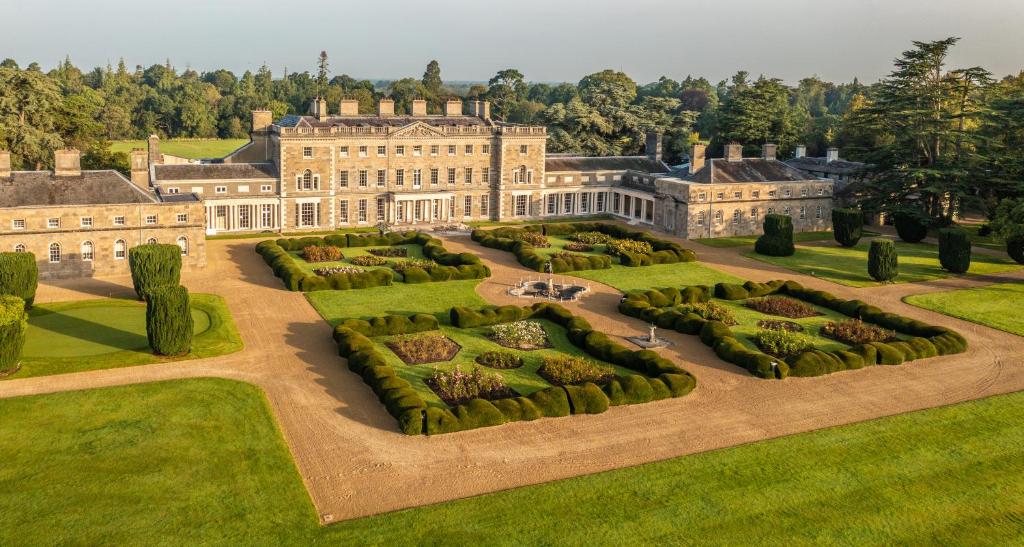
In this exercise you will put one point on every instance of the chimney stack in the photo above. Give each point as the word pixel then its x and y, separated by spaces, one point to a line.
pixel 386 107
pixel 453 107
pixel 67 163
pixel 139 168
pixel 484 110
pixel 419 107
pixel 653 146
pixel 733 152
pixel 801 150
pixel 261 120
pixel 5 164
pixel 768 151
pixel 319 108
pixel 155 157
pixel 832 155
pixel 697 157
pixel 474 107
pixel 348 107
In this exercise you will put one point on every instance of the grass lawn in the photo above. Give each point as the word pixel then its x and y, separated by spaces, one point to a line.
pixel 747 319
pixel 474 342
pixel 95 334
pixel 201 461
pixel 849 265
pixel 997 306
pixel 414 251
pixel 989 242
pixel 745 241
pixel 400 298
pixel 682 274
pixel 186 148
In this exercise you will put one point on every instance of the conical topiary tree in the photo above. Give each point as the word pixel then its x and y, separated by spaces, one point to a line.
pixel 154 265
pixel 169 320
pixel 13 325
pixel 1015 248
pixel 954 250
pixel 777 239
pixel 19 276
pixel 910 227
pixel 883 264
pixel 847 226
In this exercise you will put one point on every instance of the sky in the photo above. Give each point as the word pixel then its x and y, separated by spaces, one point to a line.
pixel 547 40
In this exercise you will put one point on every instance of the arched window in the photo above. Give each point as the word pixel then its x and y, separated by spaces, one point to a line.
pixel 87 250
pixel 701 218
pixel 54 252
pixel 19 248
pixel 183 243
pixel 307 179
pixel 120 249
pixel 151 241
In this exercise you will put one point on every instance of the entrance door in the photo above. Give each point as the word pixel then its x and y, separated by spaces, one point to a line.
pixel 220 217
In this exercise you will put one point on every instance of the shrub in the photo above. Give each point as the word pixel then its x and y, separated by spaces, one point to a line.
pixel 911 227
pixel 424 349
pixel 590 238
pixel 457 386
pixel 578 247
pixel 154 266
pixel 621 247
pixel 776 324
pixel 499 359
pixel 13 325
pixel 467 318
pixel 855 332
pixel 954 250
pixel 883 264
pixel 847 226
pixel 563 370
pixel 403 265
pixel 322 253
pixel 782 306
pixel 710 311
pixel 533 238
pixel 368 260
pixel 523 335
pixel 777 239
pixel 169 320
pixel 390 252
pixel 1015 248
pixel 587 399
pixel 19 276
pixel 781 343
pixel 564 255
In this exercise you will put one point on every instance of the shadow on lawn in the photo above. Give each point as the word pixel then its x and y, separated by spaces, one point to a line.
pixel 86 330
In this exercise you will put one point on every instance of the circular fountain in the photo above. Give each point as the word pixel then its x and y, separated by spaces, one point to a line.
pixel 548 288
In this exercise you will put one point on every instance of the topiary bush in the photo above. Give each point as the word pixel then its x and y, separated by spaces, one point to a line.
pixel 153 266
pixel 1015 248
pixel 883 263
pixel 13 325
pixel 847 226
pixel 19 276
pixel 910 227
pixel 954 250
pixel 777 239
pixel 168 320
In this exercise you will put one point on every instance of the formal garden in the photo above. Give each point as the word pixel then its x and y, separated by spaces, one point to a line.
pixel 165 324
pixel 780 328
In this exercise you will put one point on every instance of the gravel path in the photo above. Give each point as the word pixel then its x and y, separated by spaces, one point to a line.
pixel 355 463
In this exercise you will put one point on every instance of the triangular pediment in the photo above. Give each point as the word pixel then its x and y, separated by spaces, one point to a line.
pixel 417 130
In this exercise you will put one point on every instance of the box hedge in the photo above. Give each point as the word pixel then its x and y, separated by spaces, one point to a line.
pixel 777 239
pixel 13 326
pixel 450 266
pixel 154 265
pixel 847 226
pixel 19 276
pixel 883 263
pixel 954 250
pixel 168 320
pixel 910 226
pixel 923 340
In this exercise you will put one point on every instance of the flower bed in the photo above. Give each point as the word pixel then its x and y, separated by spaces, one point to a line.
pixel 456 387
pixel 390 252
pixel 781 343
pixel 536 239
pixel 334 270
pixel 620 247
pixel 322 253
pixel 499 359
pixel 566 370
pixel 521 335
pixel 578 247
pixel 710 311
pixel 369 260
pixel 782 306
pixel 855 331
pixel 591 238
pixel 424 349
pixel 403 265
pixel 778 324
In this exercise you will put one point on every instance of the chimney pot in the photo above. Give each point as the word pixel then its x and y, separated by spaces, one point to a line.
pixel 67 163
pixel 155 157
pixel 419 107
pixel 319 108
pixel 261 120
pixel 5 164
pixel 697 157
pixel 832 155
pixel 734 152
pixel 386 107
pixel 801 150
pixel 485 110
pixel 140 168
pixel 768 151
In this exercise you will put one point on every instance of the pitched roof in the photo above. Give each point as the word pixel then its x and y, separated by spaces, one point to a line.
pixel 721 171
pixel 381 121
pixel 555 164
pixel 822 165
pixel 214 171
pixel 42 188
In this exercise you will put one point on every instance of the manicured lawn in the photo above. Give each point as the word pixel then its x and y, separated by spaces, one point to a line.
pixel 745 241
pixel 997 306
pixel 747 319
pixel 414 251
pixel 400 298
pixel 849 266
pixel 192 149
pixel 474 342
pixel 989 242
pixel 201 461
pixel 681 274
pixel 95 334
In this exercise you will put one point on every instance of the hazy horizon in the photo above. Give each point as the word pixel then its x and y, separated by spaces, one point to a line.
pixel 546 40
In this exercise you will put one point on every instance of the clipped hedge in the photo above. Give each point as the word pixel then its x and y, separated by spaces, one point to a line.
pixel 910 227
pixel 510 239
pixel 1015 248
pixel 777 239
pixel 450 266
pixel 847 226
pixel 656 378
pixel 154 265
pixel 954 250
pixel 13 325
pixel 883 262
pixel 169 320
pixel 657 306
pixel 19 276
